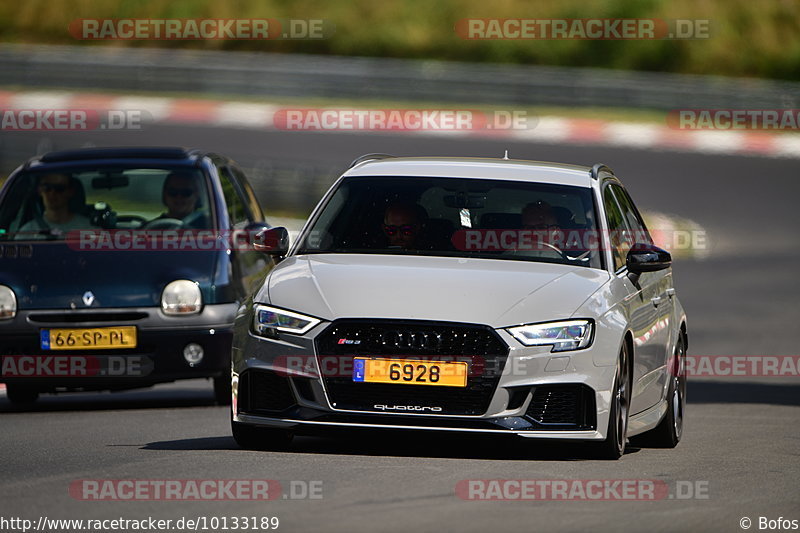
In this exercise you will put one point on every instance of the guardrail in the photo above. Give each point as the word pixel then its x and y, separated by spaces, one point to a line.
pixel 292 184
pixel 293 75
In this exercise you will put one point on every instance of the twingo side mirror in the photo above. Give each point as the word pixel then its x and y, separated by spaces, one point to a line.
pixel 272 241
pixel 645 257
pixel 254 228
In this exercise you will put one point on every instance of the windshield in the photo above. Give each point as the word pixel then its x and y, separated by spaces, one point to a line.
pixel 458 217
pixel 49 204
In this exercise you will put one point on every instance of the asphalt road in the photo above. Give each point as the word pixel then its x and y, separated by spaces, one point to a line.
pixel 739 453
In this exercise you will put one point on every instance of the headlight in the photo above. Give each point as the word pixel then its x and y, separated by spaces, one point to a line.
pixel 8 303
pixel 562 336
pixel 181 297
pixel 267 320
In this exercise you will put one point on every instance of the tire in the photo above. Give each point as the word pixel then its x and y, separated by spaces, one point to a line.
pixel 21 395
pixel 258 438
pixel 616 435
pixel 222 389
pixel 668 433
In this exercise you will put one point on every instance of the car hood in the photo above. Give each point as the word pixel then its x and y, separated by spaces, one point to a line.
pixel 486 291
pixel 52 275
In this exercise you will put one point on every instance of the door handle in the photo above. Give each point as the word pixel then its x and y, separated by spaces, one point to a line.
pixel 656 300
pixel 671 292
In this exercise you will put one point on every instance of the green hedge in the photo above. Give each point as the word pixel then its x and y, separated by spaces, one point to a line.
pixel 759 38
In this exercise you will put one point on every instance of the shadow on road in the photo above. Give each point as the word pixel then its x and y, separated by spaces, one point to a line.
pixel 405 444
pixel 415 444
pixel 105 401
pixel 733 392
pixel 198 444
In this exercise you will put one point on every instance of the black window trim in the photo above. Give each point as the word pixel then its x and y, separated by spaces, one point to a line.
pixel 247 193
pixel 607 182
pixel 223 165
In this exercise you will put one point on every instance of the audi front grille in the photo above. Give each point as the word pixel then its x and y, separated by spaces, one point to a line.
pixel 479 346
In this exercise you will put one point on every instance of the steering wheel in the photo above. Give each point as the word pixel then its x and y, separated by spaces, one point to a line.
pixel 164 223
pixel 554 248
pixel 132 218
pixel 197 220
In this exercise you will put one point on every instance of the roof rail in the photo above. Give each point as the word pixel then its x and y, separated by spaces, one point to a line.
pixel 598 168
pixel 369 157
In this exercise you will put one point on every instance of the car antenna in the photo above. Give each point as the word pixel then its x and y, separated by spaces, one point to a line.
pixel 505 156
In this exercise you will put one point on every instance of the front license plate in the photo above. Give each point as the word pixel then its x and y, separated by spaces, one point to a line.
pixel 410 372
pixel 119 337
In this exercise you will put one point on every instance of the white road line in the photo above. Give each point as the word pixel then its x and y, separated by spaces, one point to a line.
pixel 638 135
pixel 718 141
pixel 40 100
pixel 244 114
pixel 159 108
pixel 787 145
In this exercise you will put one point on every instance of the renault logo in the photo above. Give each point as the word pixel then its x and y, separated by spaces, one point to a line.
pixel 88 298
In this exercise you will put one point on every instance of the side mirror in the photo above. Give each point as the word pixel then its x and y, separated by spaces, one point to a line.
pixel 254 228
pixel 644 257
pixel 272 241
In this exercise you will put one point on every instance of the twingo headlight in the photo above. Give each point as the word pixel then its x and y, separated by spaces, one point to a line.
pixel 8 303
pixel 562 336
pixel 181 297
pixel 267 321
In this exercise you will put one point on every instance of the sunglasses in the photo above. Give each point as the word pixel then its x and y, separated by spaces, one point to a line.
pixel 183 193
pixel 53 187
pixel 407 229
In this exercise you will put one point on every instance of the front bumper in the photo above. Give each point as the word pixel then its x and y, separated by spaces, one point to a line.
pixel 157 357
pixel 535 394
pixel 490 426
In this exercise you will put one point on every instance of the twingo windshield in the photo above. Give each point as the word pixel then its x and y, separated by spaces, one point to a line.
pixel 48 204
pixel 458 217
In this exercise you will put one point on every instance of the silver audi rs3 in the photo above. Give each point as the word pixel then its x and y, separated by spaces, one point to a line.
pixel 490 296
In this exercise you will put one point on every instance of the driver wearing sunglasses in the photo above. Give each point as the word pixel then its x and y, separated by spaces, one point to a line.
pixel 180 196
pixel 403 224
pixel 56 192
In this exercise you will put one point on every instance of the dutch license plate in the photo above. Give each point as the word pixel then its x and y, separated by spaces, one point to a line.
pixel 410 372
pixel 118 337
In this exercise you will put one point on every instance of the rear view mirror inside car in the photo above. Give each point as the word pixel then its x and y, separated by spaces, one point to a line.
pixel 464 200
pixel 111 181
